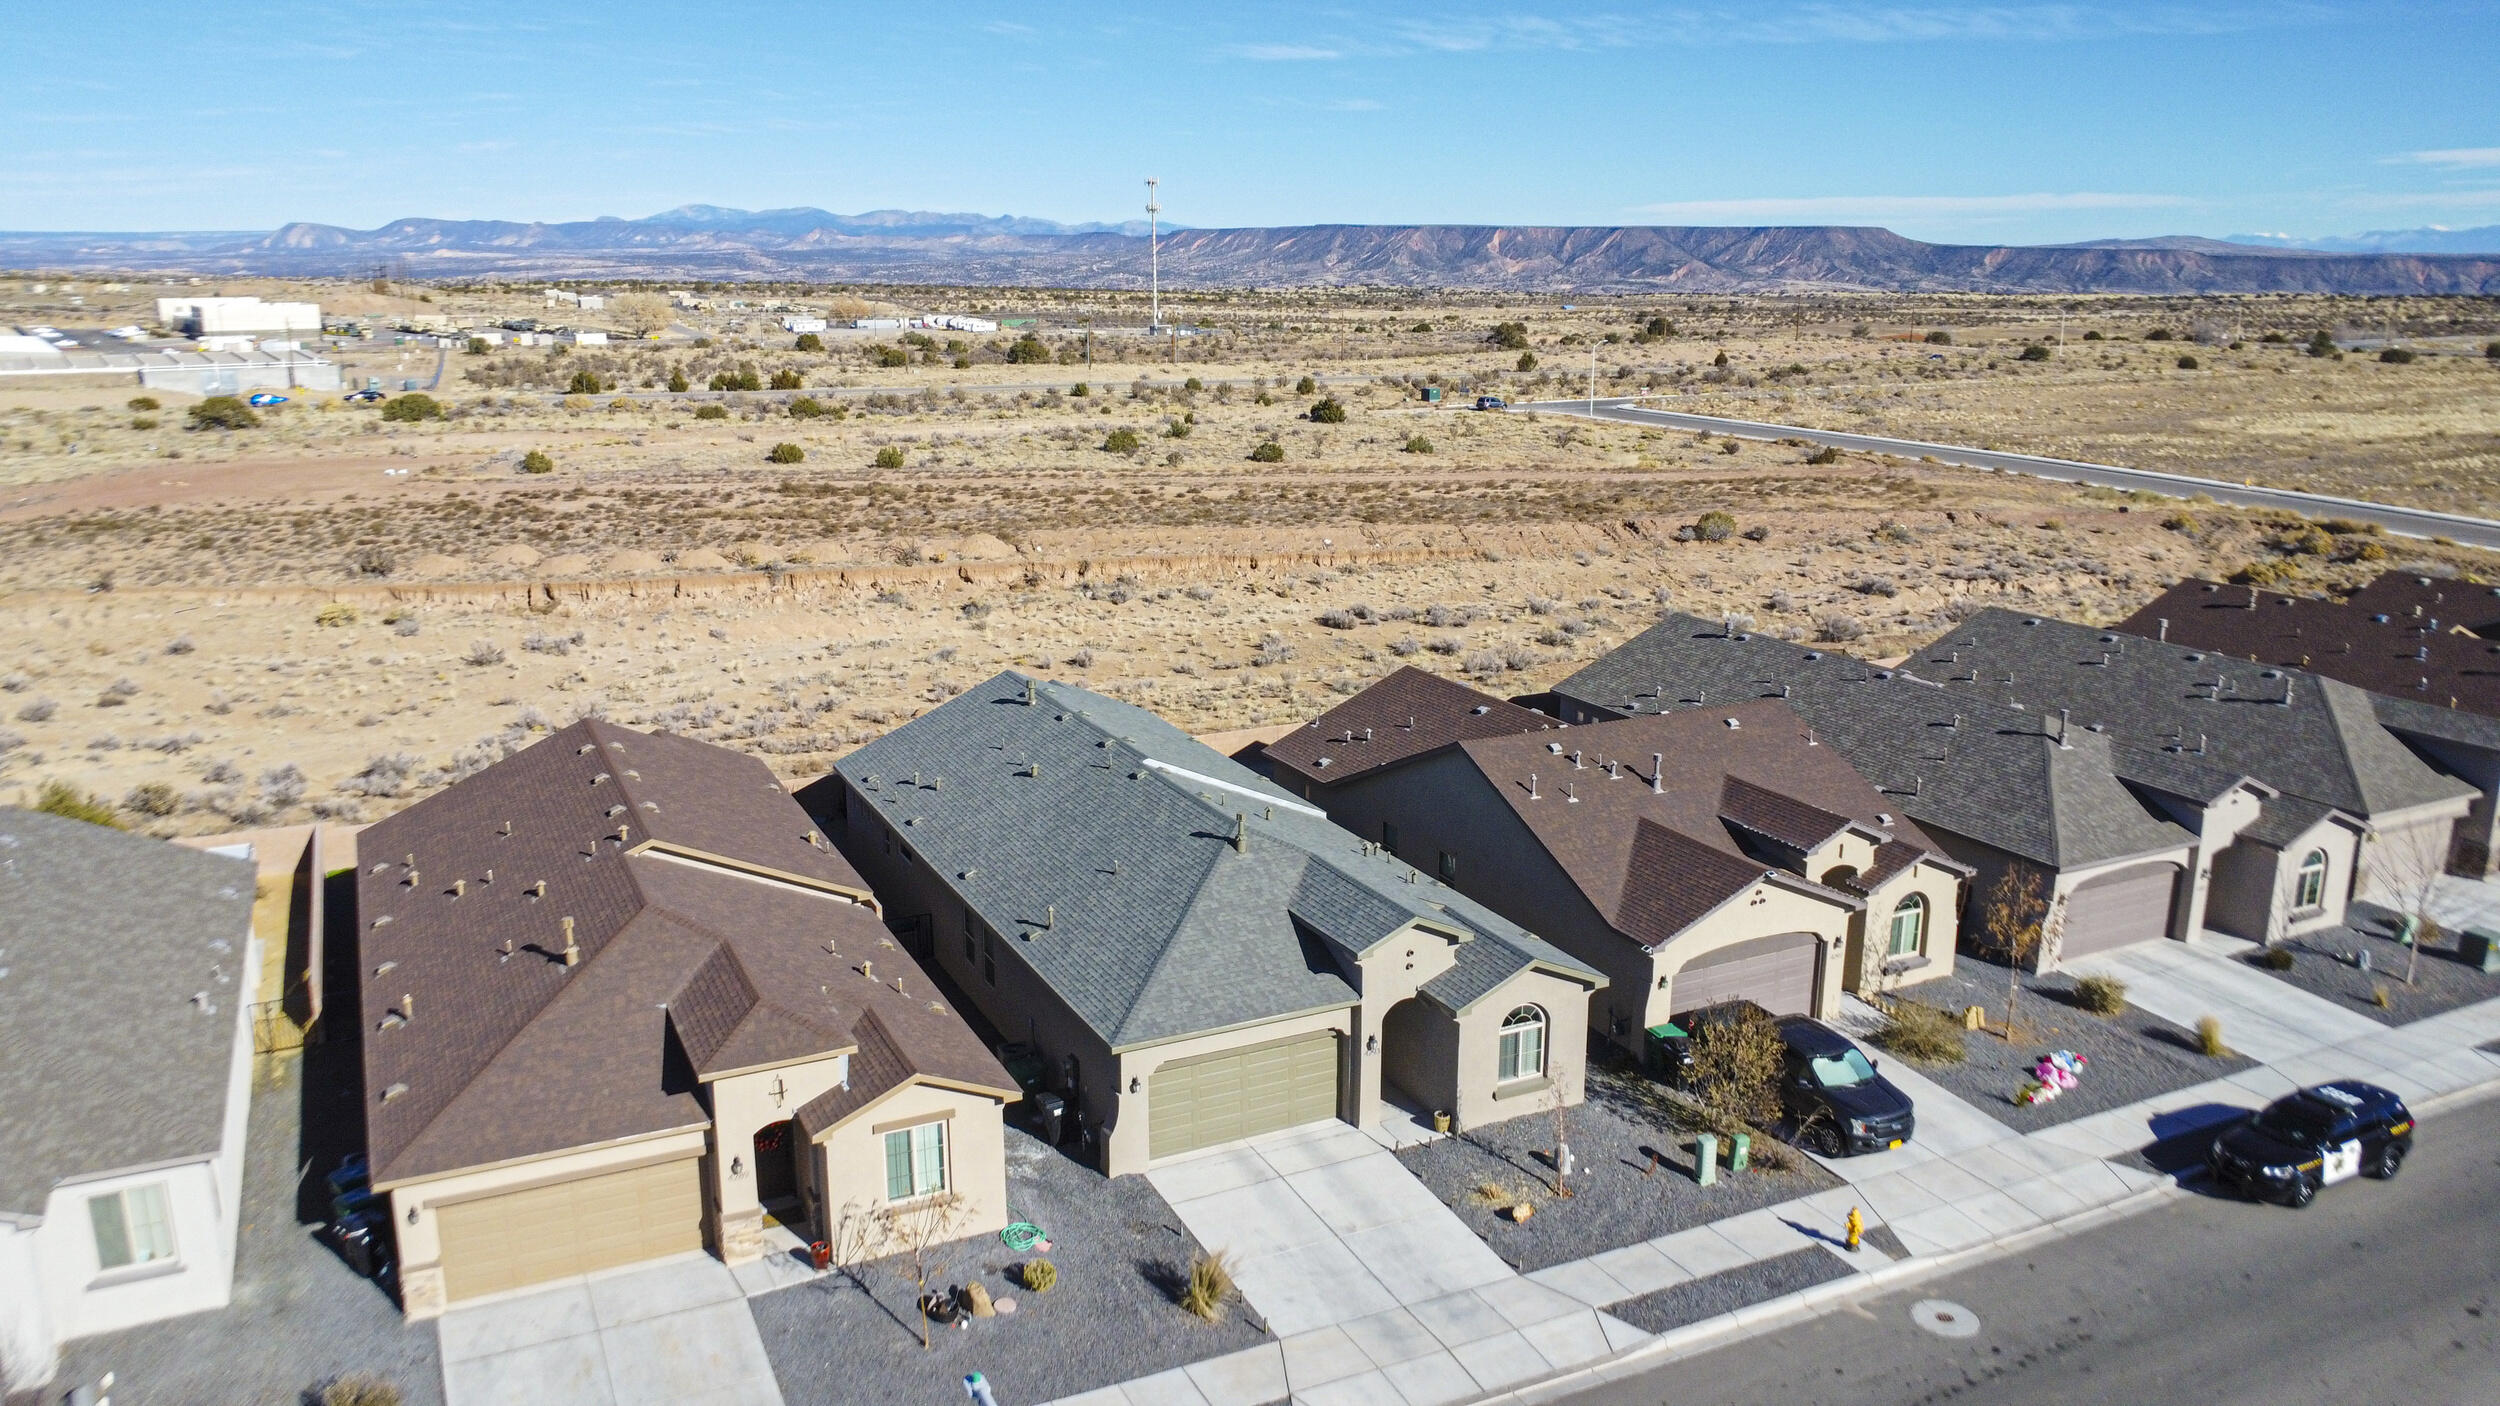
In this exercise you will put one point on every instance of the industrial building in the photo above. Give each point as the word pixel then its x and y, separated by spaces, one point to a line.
pixel 203 317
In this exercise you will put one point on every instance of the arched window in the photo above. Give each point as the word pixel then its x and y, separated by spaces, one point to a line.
pixel 1523 1044
pixel 2310 890
pixel 1909 926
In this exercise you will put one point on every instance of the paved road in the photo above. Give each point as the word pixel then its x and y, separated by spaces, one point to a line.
pixel 2410 522
pixel 2380 1292
pixel 1104 382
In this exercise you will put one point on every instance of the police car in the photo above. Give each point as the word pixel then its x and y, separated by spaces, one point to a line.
pixel 2314 1138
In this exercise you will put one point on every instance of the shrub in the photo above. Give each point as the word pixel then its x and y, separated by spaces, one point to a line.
pixel 537 462
pixel 483 653
pixel 1828 454
pixel 2189 363
pixel 677 382
pixel 2179 522
pixel 68 802
pixel 152 798
pixel 2275 959
pixel 1268 453
pixel 2265 573
pixel 2158 334
pixel 149 402
pixel 1080 389
pixel 1714 526
pixel 1178 429
pixel 787 379
pixel 2209 1036
pixel 1121 441
pixel 1210 1284
pixel 711 412
pixel 38 711
pixel 890 457
pixel 1527 361
pixel 785 453
pixel 2101 995
pixel 807 407
pixel 1883 586
pixel 223 412
pixel 584 382
pixel 1417 444
pixel 180 644
pixel 892 356
pixel 336 615
pixel 1337 620
pixel 1736 1067
pixel 2396 356
pixel 1509 336
pixel 1039 1276
pixel 2320 344
pixel 359 1389
pixel 372 561
pixel 2095 336
pixel 2034 352
pixel 808 341
pixel 1838 627
pixel 1305 386
pixel 143 422
pixel 412 407
pixel 1328 411
pixel 1940 338
pixel 2309 542
pixel 2491 351
pixel 1922 1032
pixel 1028 351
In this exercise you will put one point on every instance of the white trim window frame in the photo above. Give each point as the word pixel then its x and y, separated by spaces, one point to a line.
pixel 1521 1054
pixel 915 1161
pixel 2309 883
pixel 1914 909
pixel 133 1228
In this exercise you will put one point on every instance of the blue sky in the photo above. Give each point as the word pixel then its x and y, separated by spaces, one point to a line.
pixel 1985 122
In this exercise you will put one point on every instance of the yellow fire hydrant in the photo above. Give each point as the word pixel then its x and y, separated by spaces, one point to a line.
pixel 1855 1227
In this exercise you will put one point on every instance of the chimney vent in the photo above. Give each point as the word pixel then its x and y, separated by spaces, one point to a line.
pixel 2061 728
pixel 1241 833
pixel 1658 772
pixel 507 828
pixel 459 888
pixel 572 948
pixel 539 889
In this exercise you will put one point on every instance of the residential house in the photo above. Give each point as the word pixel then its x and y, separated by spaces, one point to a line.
pixel 127 971
pixel 2317 743
pixel 620 999
pixel 2435 681
pixel 1196 954
pixel 2471 606
pixel 2119 838
pixel 1694 857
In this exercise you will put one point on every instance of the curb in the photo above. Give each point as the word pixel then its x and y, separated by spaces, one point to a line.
pixel 1755 1319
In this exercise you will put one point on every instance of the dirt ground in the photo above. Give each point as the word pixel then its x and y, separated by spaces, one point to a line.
pixel 331 614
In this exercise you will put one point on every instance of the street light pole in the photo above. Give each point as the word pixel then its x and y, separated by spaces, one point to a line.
pixel 1154 258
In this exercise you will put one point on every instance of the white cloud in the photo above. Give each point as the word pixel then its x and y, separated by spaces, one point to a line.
pixel 1284 53
pixel 1880 208
pixel 2461 158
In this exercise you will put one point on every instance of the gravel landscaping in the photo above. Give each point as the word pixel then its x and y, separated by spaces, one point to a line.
pixel 2322 965
pixel 299 1318
pixel 1617 1199
pixel 1121 1254
pixel 1731 1289
pixel 2134 1054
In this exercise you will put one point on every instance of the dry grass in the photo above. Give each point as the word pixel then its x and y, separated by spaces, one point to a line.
pixel 2209 1037
pixel 1917 1031
pixel 1210 1284
pixel 2101 995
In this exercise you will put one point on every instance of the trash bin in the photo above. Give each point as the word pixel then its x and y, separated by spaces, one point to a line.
pixel 1049 1117
pixel 2480 947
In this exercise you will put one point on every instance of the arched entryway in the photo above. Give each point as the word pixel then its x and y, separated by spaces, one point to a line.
pixel 1412 1072
pixel 776 1163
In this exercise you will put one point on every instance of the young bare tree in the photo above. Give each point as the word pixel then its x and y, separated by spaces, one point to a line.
pixel 2406 866
pixel 915 1229
pixel 1560 1113
pixel 2021 923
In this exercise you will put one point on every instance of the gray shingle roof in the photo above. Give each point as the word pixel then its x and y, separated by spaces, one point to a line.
pixel 121 973
pixel 2325 744
pixel 1098 840
pixel 1950 761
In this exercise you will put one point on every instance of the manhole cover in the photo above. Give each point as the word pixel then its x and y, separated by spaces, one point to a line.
pixel 1944 1318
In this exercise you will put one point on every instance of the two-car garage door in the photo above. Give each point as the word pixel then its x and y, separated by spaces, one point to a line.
pixel 1775 973
pixel 573 1227
pixel 1199 1102
pixel 2113 910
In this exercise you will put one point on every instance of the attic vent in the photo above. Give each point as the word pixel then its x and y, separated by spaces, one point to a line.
pixel 1813 654
pixel 1322 762
pixel 1734 723
pixel 600 780
pixel 583 750
pixel 1481 709
pixel 616 810
pixel 393 1092
pixel 385 969
pixel 652 806
pixel 1554 747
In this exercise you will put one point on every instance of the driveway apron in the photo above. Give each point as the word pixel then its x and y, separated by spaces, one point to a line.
pixel 674 1331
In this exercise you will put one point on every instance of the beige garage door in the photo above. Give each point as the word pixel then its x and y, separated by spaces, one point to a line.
pixel 1199 1102
pixel 547 1232
pixel 2132 905
pixel 1775 973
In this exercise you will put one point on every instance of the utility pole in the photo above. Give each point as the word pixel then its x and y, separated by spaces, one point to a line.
pixel 1154 260
pixel 1592 378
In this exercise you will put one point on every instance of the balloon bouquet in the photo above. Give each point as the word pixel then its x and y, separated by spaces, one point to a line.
pixel 2055 1073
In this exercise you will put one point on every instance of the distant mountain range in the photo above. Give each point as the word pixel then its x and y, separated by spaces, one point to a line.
pixel 2431 239
pixel 904 246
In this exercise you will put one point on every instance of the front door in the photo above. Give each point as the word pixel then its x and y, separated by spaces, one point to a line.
pixel 776 1163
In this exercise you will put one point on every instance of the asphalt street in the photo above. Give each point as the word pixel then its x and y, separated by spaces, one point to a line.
pixel 2412 522
pixel 2378 1292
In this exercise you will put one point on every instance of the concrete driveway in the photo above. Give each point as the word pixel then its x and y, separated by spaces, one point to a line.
pixel 674 1332
pixel 2266 1019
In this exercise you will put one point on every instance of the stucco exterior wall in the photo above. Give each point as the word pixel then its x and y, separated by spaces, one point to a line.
pixel 415 1204
pixel 742 1104
pixel 1869 966
pixel 2404 849
pixel 1765 910
pixel 2254 885
pixel 1481 1096
pixel 1125 1147
pixel 856 1219
pixel 2476 846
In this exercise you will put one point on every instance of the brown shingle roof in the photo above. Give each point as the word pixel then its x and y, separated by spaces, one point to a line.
pixel 1655 852
pixel 474 1055
pixel 2384 651
pixel 1405 715
pixel 2404 595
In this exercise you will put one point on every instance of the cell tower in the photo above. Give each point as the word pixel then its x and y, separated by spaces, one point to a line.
pixel 1154 258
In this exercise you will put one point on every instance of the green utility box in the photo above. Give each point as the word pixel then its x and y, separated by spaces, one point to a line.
pixel 2480 947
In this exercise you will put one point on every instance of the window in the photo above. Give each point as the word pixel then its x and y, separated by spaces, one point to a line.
pixel 1388 837
pixel 2310 890
pixel 1845 1070
pixel 915 1162
pixel 1909 926
pixel 989 954
pixel 971 949
pixel 132 1227
pixel 1449 867
pixel 1523 1044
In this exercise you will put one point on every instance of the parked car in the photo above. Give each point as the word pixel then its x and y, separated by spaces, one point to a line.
pixel 1491 402
pixel 267 398
pixel 367 396
pixel 1833 1096
pixel 2314 1138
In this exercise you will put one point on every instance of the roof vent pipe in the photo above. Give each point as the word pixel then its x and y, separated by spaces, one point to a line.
pixel 2061 729
pixel 1028 693
pixel 1658 772
pixel 1241 833
pixel 1532 795
pixel 572 949
pixel 2287 692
